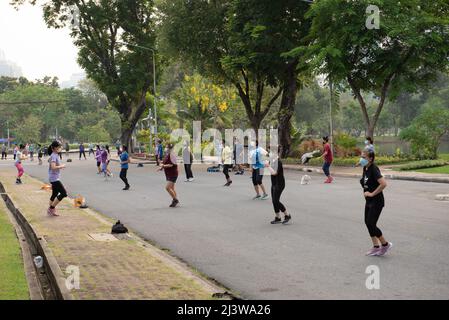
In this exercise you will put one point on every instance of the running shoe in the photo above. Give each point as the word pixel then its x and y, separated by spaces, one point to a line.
pixel 187 180
pixel 228 184
pixel 257 197
pixel 327 180
pixel 52 212
pixel 384 249
pixel 174 203
pixel 264 197
pixel 126 188
pixel 276 221
pixel 191 179
pixel 373 252
pixel 287 218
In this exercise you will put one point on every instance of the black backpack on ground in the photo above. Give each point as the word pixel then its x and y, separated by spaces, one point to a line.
pixel 119 228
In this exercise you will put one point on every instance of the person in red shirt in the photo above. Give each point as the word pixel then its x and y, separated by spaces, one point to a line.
pixel 170 167
pixel 328 158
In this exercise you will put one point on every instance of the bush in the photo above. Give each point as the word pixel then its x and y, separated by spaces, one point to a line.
pixel 310 145
pixel 351 161
pixel 422 165
pixel 426 131
pixel 346 146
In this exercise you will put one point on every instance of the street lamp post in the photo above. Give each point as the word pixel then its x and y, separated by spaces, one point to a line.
pixel 7 131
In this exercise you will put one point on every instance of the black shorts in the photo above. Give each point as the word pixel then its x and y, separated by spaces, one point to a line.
pixel 98 164
pixel 257 177
pixel 172 179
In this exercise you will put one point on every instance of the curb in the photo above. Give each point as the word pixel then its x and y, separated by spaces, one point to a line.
pixel 387 176
pixel 38 243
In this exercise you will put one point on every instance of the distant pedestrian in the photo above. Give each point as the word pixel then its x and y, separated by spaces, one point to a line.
pixel 16 148
pixel 226 159
pixel 238 157
pixel 170 167
pixel 257 171
pixel 55 166
pixel 82 151
pixel 4 152
pixel 98 158
pixel 104 162
pixel 31 151
pixel 369 144
pixel 277 187
pixel 373 184
pixel 67 149
pixel 20 156
pixel 159 151
pixel 187 158
pixel 328 159
pixel 124 165
pixel 91 149
pixel 40 154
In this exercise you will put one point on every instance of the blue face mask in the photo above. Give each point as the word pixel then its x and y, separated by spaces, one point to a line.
pixel 366 142
pixel 363 162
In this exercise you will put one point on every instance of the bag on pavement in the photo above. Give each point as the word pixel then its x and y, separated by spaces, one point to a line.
pixel 119 228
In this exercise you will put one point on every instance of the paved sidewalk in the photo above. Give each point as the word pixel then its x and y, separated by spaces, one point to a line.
pixel 387 171
pixel 121 269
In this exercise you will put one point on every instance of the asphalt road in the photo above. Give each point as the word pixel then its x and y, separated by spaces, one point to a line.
pixel 225 234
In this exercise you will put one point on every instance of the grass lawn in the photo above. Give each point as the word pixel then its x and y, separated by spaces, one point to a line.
pixel 440 170
pixel 444 156
pixel 13 284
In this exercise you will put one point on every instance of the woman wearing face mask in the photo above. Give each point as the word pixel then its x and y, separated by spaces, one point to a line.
pixel 369 144
pixel 373 184
pixel 170 166
pixel 277 187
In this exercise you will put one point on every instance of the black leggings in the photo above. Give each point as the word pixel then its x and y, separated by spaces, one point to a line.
pixel 226 168
pixel 123 173
pixel 83 153
pixel 276 192
pixel 372 213
pixel 58 191
pixel 188 169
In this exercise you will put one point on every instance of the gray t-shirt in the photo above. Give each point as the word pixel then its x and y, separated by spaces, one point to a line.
pixel 53 175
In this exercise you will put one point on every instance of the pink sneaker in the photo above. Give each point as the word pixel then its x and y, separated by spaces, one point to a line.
pixel 52 212
pixel 328 180
pixel 373 251
pixel 384 249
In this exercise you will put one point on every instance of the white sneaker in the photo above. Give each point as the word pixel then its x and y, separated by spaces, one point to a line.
pixel 187 180
pixel 191 179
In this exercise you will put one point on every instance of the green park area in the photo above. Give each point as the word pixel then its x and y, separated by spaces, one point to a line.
pixel 295 72
pixel 13 284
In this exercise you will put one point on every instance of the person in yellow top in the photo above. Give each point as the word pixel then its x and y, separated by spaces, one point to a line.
pixel 226 158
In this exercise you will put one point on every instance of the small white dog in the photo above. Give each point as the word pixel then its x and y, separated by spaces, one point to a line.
pixel 305 180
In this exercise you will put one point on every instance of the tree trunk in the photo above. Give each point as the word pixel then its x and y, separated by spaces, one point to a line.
pixel 129 119
pixel 286 110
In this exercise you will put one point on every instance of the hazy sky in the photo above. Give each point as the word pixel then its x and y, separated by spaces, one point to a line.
pixel 39 51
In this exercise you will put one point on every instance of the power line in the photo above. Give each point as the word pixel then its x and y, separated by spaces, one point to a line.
pixel 31 102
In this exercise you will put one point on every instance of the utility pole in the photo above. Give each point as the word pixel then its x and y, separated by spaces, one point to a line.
pixel 7 130
pixel 331 89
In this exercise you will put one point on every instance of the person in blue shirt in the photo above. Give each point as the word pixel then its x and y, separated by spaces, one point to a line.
pixel 124 165
pixel 159 151
pixel 257 167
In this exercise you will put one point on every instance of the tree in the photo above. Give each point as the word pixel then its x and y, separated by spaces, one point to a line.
pixel 427 130
pixel 241 43
pixel 122 72
pixel 405 53
pixel 28 130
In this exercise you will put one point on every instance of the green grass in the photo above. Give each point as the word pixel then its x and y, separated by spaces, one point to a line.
pixel 444 156
pixel 440 170
pixel 13 284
